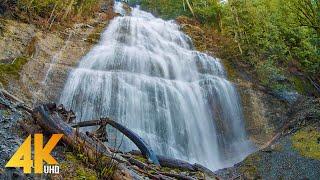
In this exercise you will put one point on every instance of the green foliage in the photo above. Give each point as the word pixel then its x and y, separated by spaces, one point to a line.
pixel 270 31
pixel 206 11
pixel 166 9
pixel 57 10
pixel 307 13
pixel 12 70
pixel 73 168
pixel 270 75
pixel 272 36
pixel 83 174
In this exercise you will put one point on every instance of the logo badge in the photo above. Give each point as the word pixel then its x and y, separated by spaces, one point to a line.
pixel 22 157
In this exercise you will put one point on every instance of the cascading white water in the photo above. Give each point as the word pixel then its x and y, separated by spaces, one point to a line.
pixel 145 74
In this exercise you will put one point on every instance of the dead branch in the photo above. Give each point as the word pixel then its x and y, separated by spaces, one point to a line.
pixel 14 98
pixel 138 141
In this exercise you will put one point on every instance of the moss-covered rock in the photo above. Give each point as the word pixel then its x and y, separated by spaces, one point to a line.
pixel 307 142
pixel 249 167
pixel 302 85
pixel 12 70
pixel 73 168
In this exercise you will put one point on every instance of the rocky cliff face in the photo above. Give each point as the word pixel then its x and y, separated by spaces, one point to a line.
pixel 48 56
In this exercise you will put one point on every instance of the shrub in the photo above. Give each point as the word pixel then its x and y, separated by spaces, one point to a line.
pixel 52 11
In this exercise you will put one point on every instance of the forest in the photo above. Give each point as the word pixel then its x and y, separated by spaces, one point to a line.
pixel 46 13
pixel 278 39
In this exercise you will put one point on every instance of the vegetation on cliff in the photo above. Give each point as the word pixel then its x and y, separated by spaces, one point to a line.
pixel 47 13
pixel 306 142
pixel 12 70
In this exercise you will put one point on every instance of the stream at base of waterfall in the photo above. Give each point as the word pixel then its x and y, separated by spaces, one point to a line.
pixel 145 74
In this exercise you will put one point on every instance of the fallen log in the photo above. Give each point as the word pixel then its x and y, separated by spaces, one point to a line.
pixel 144 166
pixel 10 96
pixel 177 176
pixel 136 139
pixel 170 162
pixel 52 123
pixel 180 164
pixel 175 163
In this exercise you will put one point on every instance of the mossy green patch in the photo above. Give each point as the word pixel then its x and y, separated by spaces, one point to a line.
pixel 85 174
pixel 12 70
pixel 167 169
pixel 6 113
pixel 73 168
pixel 303 86
pixel 103 168
pixel 306 142
pixel 249 167
pixel 141 158
pixel 71 157
pixel 108 171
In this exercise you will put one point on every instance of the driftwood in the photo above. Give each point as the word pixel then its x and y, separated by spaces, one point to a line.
pixel 52 123
pixel 138 141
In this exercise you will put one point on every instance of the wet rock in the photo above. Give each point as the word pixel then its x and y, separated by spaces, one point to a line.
pixel 104 8
pixel 288 96
pixel 263 112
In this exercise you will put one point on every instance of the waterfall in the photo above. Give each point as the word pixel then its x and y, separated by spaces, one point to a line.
pixel 145 74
